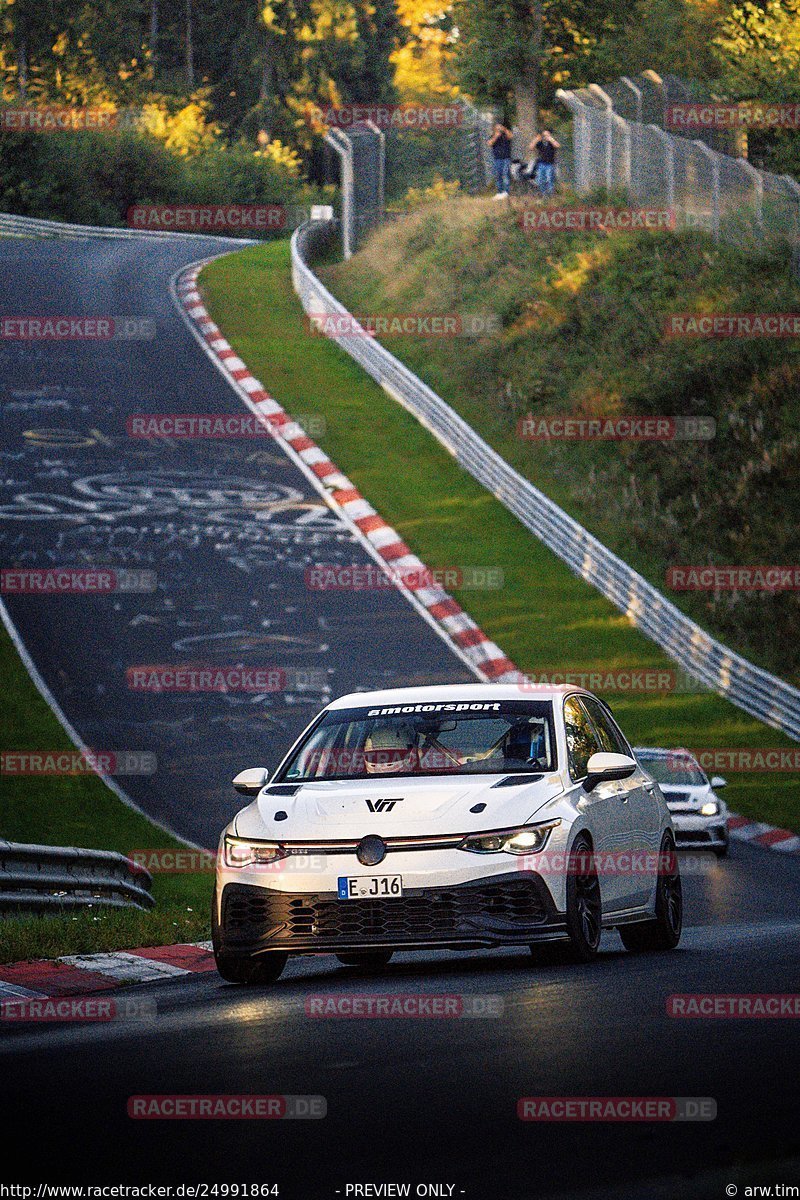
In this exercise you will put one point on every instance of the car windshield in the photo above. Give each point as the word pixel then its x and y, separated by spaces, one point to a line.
pixel 462 738
pixel 673 770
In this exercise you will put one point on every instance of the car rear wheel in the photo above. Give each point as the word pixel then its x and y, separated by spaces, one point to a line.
pixel 369 960
pixel 664 931
pixel 584 905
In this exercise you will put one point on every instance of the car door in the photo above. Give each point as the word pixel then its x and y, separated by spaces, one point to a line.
pixel 642 806
pixel 605 807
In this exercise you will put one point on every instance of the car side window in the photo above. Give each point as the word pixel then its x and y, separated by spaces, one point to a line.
pixel 582 741
pixel 606 728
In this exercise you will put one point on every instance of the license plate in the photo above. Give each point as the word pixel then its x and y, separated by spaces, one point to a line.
pixel 370 887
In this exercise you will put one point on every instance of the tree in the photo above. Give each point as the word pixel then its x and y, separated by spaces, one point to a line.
pixel 519 51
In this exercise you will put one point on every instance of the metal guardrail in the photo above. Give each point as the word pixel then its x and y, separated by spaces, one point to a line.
pixel 710 662
pixel 48 878
pixel 16 226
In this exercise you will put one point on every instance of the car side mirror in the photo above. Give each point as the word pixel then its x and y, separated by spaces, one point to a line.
pixel 718 782
pixel 250 783
pixel 604 767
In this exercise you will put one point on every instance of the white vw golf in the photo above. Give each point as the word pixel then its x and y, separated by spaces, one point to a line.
pixel 446 817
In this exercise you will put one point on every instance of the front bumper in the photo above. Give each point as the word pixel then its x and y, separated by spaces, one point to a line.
pixel 497 911
pixel 693 830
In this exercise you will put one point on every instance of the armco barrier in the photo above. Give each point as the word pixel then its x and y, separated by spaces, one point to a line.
pixel 752 689
pixel 48 878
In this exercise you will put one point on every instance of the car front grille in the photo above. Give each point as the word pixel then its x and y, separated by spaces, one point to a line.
pixel 488 909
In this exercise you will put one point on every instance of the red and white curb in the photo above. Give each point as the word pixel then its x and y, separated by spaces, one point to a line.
pixel 759 834
pixel 81 974
pixel 471 644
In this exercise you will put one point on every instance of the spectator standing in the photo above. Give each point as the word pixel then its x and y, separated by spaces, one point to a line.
pixel 545 146
pixel 500 142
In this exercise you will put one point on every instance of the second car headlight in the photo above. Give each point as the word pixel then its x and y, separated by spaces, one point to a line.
pixel 241 853
pixel 527 839
pixel 709 809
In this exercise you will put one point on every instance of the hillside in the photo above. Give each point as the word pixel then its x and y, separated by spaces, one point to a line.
pixel 582 333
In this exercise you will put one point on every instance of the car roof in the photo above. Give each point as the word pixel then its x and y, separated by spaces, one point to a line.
pixel 444 693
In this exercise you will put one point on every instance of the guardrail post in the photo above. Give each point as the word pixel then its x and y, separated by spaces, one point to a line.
pixel 669 159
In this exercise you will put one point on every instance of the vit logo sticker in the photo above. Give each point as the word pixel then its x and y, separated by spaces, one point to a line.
pixel 377 806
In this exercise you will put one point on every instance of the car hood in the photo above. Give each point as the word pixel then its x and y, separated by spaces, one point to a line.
pixel 685 795
pixel 403 807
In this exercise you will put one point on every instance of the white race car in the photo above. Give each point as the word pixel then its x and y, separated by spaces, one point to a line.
pixel 451 817
pixel 699 815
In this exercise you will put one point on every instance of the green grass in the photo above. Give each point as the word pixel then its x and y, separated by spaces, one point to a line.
pixel 544 618
pixel 81 811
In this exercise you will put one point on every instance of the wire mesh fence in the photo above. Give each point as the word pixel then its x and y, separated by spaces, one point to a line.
pixel 707 189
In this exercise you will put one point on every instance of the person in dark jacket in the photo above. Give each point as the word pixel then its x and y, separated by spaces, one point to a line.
pixel 545 147
pixel 500 142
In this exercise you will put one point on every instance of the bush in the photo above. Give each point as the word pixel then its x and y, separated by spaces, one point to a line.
pixel 93 178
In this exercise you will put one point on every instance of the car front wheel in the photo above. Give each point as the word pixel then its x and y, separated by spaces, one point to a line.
pixel 264 969
pixel 664 931
pixel 584 907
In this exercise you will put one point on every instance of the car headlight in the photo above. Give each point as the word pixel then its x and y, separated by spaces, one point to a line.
pixel 527 839
pixel 241 853
pixel 709 809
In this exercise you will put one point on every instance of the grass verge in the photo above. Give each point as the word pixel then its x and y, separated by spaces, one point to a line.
pixel 544 617
pixel 80 810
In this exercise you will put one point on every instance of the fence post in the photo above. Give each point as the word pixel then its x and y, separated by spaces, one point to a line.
pixel 338 141
pixel 715 210
pixel 637 154
pixel 758 191
pixel 606 100
pixel 669 156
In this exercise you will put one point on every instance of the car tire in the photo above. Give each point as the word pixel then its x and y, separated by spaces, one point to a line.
pixel 663 932
pixel 369 960
pixel 267 968
pixel 722 851
pixel 240 968
pixel 584 903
